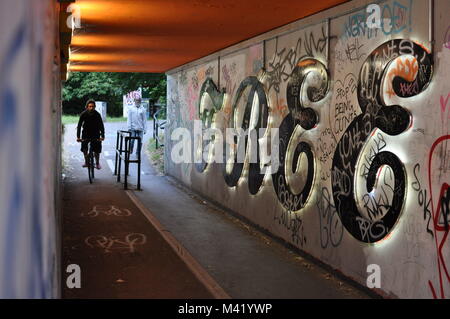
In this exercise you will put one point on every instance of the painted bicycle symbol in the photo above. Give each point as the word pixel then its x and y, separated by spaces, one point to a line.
pixel 108 244
pixel 107 210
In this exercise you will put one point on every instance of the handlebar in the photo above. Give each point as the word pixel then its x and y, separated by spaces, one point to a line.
pixel 89 139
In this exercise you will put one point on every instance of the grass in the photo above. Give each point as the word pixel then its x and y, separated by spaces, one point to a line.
pixel 116 119
pixel 155 155
pixel 73 119
pixel 69 119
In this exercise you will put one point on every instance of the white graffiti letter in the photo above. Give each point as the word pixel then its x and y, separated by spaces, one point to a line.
pixel 74 20
pixel 74 279
pixel 181 151
pixel 374 278
pixel 214 147
pixel 198 141
pixel 270 161
pixel 374 19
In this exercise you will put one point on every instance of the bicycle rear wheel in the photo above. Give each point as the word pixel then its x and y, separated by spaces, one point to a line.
pixel 91 167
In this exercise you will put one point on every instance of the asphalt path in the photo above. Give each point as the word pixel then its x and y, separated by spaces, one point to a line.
pixel 119 252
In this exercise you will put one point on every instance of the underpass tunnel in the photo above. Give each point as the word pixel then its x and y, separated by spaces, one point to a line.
pixel 358 91
pixel 40 42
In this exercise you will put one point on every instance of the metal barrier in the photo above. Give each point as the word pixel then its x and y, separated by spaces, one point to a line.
pixel 124 154
pixel 156 126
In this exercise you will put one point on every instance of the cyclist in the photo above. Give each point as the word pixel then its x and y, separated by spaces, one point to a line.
pixel 93 128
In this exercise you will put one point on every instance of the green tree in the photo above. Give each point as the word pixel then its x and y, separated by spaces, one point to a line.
pixel 109 87
pixel 132 81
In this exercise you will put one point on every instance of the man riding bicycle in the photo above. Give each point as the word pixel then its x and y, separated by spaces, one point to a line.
pixel 93 131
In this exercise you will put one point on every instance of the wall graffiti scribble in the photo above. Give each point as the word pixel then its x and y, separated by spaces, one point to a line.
pixel 331 228
pixel 440 220
pixel 423 199
pixel 344 108
pixel 395 17
pixel 284 60
pixel 447 39
pixel 294 224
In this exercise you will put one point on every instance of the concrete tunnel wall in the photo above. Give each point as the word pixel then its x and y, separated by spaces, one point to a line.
pixel 362 116
pixel 30 157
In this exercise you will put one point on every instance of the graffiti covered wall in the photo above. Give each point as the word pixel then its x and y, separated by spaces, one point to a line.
pixel 30 152
pixel 361 174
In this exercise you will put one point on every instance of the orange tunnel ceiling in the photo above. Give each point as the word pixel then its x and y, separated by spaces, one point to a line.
pixel 158 35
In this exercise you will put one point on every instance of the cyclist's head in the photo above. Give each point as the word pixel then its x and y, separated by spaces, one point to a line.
pixel 90 105
pixel 137 101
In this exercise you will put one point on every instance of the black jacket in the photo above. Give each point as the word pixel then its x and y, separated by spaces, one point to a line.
pixel 92 124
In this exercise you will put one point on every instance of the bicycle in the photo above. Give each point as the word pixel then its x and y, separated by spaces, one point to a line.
pixel 90 158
